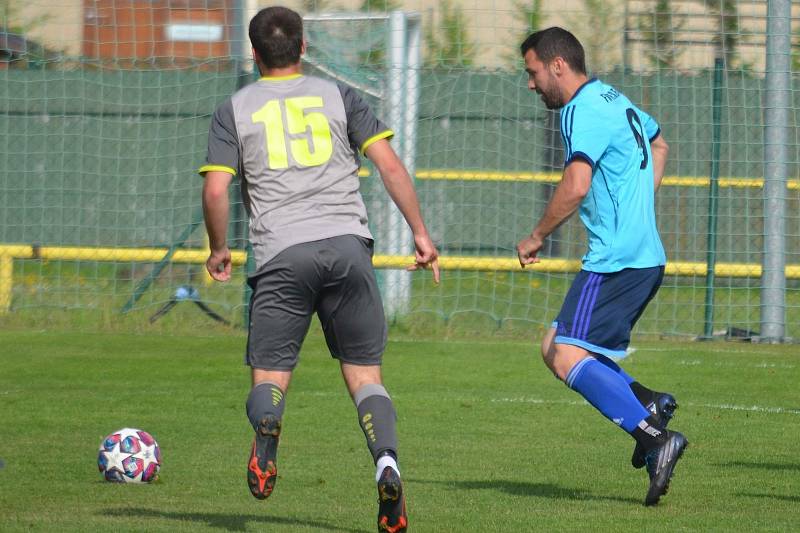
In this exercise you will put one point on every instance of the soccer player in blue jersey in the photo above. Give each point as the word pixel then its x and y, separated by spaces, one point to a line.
pixel 614 161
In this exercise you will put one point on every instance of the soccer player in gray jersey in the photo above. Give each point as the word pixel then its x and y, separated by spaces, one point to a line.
pixel 294 143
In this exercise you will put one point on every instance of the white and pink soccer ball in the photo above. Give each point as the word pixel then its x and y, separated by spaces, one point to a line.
pixel 129 456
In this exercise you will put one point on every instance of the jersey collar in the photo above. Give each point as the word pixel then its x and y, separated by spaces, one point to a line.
pixel 581 88
pixel 280 78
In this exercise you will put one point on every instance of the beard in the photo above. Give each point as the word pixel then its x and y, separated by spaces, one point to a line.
pixel 552 99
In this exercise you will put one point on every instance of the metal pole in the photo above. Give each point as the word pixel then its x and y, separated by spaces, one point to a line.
pixel 776 157
pixel 250 8
pixel 397 283
pixel 713 195
pixel 242 61
pixel 413 65
pixel 246 10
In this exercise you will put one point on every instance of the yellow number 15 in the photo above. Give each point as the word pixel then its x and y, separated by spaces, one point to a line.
pixel 297 121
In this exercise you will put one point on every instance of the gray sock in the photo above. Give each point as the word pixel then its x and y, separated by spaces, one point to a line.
pixel 266 398
pixel 377 418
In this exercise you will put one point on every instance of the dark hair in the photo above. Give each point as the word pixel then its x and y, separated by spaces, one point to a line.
pixel 276 33
pixel 556 42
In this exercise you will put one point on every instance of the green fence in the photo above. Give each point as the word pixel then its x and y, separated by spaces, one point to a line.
pixel 108 159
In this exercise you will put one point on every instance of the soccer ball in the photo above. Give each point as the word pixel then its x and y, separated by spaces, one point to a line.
pixel 129 456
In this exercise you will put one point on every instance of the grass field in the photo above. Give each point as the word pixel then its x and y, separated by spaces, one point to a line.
pixel 489 440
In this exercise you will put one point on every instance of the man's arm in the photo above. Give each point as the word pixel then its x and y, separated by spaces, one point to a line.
pixel 659 149
pixel 401 189
pixel 567 197
pixel 215 213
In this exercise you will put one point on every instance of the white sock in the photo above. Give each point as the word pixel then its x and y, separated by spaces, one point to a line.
pixel 383 462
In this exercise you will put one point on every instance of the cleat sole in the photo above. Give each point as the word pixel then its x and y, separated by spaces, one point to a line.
pixel 262 472
pixel 391 505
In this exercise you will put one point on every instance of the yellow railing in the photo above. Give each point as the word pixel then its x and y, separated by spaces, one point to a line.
pixel 447 174
pixel 8 253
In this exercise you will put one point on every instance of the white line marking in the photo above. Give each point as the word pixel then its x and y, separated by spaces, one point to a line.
pixel 733 364
pixel 754 349
pixel 541 401
pixel 724 407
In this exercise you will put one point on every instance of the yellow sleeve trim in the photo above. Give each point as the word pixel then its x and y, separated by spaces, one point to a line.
pixel 220 168
pixel 382 135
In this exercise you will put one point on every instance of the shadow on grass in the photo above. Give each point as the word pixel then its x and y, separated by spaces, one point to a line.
pixel 521 488
pixel 226 521
pixel 761 466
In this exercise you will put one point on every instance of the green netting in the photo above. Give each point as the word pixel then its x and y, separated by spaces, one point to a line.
pixel 106 157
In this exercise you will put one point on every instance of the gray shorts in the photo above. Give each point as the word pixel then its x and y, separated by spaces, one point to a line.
pixel 332 277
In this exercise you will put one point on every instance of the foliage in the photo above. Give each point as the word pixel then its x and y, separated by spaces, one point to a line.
pixel 659 32
pixel 375 57
pixel 598 33
pixel 448 42
pixel 316 6
pixel 529 13
pixel 727 35
pixel 379 6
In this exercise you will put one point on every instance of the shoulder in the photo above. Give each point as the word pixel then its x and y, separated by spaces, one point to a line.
pixel 349 95
pixel 225 104
pixel 315 81
pixel 224 111
pixel 598 101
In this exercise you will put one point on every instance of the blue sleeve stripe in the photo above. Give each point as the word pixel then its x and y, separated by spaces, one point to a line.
pixel 567 124
pixel 563 137
pixel 656 134
pixel 580 155
pixel 571 128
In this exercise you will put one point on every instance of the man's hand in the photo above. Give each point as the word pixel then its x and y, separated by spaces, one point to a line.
pixel 219 264
pixel 527 250
pixel 426 256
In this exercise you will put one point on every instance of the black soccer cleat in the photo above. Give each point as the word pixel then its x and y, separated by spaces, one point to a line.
pixel 662 409
pixel 262 471
pixel 391 502
pixel 661 463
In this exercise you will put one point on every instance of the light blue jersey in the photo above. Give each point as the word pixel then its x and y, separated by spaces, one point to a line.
pixel 602 127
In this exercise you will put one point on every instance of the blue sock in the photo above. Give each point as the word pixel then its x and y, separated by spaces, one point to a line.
pixel 614 366
pixel 607 392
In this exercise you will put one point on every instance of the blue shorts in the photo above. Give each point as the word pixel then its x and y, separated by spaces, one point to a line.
pixel 601 309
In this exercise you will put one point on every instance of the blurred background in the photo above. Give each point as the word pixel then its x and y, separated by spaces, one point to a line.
pixel 105 113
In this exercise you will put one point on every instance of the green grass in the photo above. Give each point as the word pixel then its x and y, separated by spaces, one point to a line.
pixel 489 440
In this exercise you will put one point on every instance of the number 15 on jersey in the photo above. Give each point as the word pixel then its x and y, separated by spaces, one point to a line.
pixel 314 145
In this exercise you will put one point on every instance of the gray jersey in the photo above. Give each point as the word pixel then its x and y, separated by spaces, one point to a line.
pixel 294 142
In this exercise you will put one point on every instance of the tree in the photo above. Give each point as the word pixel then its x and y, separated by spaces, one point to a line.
pixel 659 32
pixel 376 56
pixel 530 14
pixel 448 43
pixel 727 36
pixel 796 52
pixel 379 6
pixel 599 31
pixel 315 6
